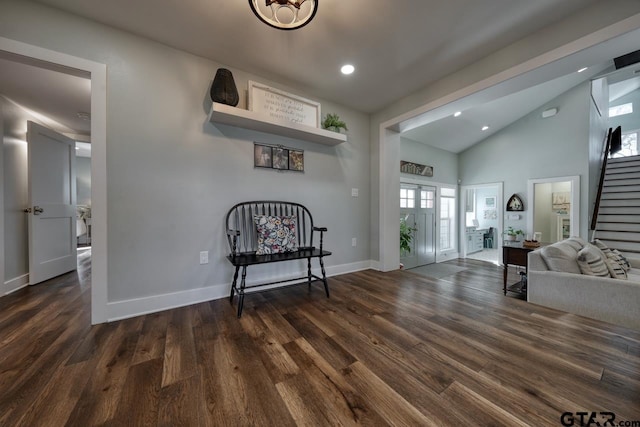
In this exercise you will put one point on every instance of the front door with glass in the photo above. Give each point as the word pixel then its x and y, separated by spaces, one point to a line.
pixel 418 213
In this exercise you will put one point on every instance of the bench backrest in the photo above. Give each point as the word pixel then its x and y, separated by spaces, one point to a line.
pixel 240 217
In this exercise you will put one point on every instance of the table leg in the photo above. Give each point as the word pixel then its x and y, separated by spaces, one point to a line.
pixel 504 273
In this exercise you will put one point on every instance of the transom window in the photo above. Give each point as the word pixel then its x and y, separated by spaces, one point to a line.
pixel 621 110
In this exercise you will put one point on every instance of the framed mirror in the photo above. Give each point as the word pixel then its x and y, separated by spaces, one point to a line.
pixel 554 208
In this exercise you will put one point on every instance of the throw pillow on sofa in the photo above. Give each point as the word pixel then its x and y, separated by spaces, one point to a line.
pixel 592 261
pixel 622 260
pixel 615 269
pixel 576 242
pixel 560 257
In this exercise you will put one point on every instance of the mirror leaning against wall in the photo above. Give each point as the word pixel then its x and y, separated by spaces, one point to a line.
pixel 555 208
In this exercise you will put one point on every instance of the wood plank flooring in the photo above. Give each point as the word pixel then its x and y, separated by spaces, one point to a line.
pixel 386 349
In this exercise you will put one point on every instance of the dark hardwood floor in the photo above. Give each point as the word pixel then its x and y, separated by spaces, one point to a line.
pixel 386 349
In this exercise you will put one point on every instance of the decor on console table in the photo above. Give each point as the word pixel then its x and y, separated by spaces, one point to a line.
pixel 223 88
pixel 512 234
pixel 280 106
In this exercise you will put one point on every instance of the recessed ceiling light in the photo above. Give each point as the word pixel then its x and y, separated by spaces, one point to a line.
pixel 582 69
pixel 347 69
pixel 485 127
pixel 457 113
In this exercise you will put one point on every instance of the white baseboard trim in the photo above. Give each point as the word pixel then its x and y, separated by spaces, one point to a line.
pixel 15 284
pixel 125 309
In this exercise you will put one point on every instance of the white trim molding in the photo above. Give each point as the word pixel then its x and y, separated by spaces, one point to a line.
pixel 119 310
pixel 15 284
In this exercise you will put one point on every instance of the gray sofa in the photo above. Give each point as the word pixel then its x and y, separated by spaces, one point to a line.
pixel 559 284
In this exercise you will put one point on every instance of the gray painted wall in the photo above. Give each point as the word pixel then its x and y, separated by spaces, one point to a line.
pixel 172 175
pixel 534 147
pixel 445 163
pixel 83 180
pixel 631 121
pixel 15 197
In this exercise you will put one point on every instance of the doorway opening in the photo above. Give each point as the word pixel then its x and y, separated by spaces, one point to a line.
pixel 482 222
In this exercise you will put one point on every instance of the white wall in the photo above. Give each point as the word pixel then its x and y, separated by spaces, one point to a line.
pixel 482 194
pixel 533 147
pixel 172 175
pixel 15 196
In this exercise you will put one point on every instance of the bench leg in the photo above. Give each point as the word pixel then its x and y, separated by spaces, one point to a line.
pixel 309 273
pixel 233 285
pixel 324 277
pixel 241 292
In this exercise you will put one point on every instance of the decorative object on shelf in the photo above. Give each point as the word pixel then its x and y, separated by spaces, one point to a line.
pixel 333 123
pixel 515 204
pixel 281 106
pixel 278 157
pixel 512 234
pixel 531 244
pixel 223 88
pixel 415 168
pixel 298 14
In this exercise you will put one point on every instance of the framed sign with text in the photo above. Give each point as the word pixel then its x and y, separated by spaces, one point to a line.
pixel 279 106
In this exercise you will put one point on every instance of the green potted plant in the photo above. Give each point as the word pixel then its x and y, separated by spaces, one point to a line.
pixel 406 236
pixel 333 122
pixel 512 234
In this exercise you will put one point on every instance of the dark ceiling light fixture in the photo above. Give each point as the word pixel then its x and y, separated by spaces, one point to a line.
pixel 285 14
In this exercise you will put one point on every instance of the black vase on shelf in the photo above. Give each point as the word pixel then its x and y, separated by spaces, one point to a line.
pixel 223 89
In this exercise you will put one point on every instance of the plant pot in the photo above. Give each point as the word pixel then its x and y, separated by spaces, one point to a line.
pixel 511 238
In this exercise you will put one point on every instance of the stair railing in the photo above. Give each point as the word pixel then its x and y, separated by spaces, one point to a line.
pixel 596 207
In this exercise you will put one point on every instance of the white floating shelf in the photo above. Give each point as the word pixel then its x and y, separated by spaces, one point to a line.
pixel 225 114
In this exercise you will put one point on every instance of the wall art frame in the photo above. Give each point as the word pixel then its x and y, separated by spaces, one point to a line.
pixel 278 157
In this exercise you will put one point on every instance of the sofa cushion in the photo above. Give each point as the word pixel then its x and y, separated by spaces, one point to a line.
pixel 592 261
pixel 561 257
pixel 633 275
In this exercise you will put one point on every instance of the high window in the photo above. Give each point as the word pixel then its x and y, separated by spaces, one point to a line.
pixel 621 110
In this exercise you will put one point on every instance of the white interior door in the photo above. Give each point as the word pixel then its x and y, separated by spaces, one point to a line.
pixel 52 203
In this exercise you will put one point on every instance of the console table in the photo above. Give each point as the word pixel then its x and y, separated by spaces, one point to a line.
pixel 514 253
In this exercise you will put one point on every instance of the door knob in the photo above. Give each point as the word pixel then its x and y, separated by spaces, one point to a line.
pixel 27 210
pixel 37 210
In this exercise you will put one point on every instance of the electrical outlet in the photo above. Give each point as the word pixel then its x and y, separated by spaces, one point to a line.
pixel 354 242
pixel 204 257
pixel 354 192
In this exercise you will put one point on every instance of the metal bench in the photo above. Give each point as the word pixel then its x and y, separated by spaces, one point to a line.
pixel 242 236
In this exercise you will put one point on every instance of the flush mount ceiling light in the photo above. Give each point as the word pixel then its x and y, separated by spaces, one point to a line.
pixel 347 69
pixel 285 14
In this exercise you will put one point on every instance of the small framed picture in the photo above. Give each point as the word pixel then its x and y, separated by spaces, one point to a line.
pixel 490 202
pixel 280 158
pixel 262 156
pixel 296 160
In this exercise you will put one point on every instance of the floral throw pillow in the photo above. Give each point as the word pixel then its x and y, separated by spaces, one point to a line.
pixel 276 234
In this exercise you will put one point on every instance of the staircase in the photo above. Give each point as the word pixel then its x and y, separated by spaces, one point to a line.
pixel 619 215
